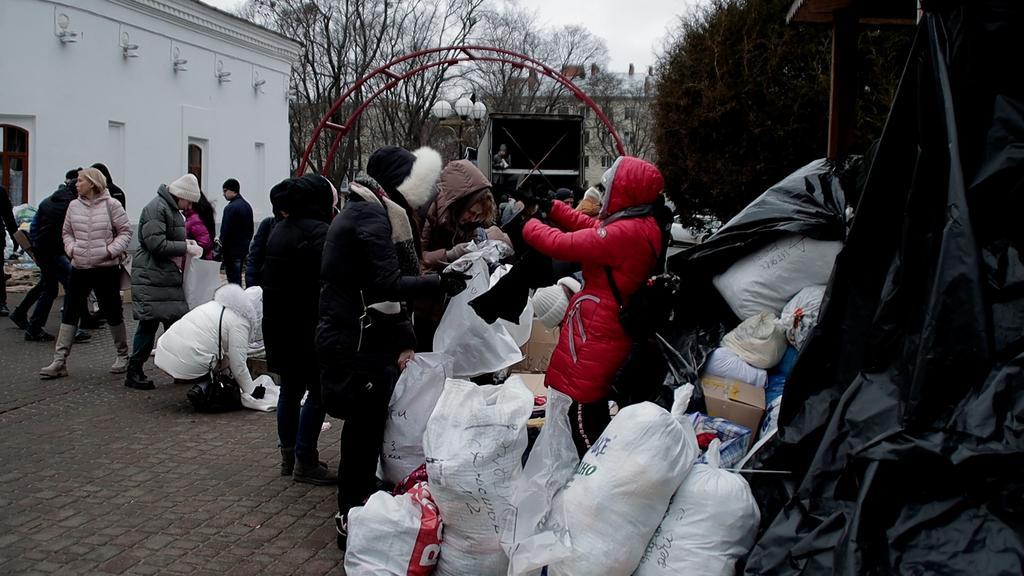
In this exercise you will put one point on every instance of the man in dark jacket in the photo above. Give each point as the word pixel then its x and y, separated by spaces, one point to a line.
pixel 115 191
pixel 235 231
pixel 291 287
pixel 157 292
pixel 365 337
pixel 258 251
pixel 7 216
pixel 54 266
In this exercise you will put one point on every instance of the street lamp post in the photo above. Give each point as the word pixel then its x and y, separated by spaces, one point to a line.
pixel 464 111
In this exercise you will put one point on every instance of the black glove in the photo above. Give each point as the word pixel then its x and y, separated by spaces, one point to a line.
pixel 453 282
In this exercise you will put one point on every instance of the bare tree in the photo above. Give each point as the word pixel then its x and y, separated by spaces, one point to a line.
pixel 569 50
pixel 627 101
pixel 342 41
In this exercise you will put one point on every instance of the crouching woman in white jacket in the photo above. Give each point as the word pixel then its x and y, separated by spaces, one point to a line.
pixel 188 348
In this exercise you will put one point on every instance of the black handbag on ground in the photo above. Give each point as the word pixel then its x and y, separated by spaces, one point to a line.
pixel 216 392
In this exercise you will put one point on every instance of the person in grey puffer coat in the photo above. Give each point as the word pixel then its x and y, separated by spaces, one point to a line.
pixel 157 292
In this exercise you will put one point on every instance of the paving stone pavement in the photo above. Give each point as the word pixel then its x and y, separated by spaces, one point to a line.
pixel 102 479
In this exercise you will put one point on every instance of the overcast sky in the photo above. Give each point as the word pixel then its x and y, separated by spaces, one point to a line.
pixel 633 29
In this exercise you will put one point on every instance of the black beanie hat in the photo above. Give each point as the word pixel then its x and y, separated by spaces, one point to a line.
pixel 390 166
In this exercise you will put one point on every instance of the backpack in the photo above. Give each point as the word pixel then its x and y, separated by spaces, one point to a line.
pixel 648 312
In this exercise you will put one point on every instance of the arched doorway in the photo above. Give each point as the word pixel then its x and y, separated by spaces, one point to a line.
pixel 14 162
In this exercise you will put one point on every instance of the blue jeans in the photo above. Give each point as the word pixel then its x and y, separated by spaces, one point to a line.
pixel 233 268
pixel 299 427
pixel 52 270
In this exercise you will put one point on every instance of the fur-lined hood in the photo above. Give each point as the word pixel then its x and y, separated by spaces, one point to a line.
pixel 232 297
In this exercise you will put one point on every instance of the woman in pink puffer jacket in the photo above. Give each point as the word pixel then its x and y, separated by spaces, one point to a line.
pixel 96 235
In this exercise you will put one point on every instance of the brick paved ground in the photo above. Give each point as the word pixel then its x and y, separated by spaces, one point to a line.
pixel 101 479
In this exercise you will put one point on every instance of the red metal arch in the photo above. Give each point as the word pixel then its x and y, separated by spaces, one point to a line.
pixel 462 54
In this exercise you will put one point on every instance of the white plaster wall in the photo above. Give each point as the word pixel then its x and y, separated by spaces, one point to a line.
pixel 67 96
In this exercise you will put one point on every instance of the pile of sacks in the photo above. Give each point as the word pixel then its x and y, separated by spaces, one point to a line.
pixel 637 503
pixel 777 291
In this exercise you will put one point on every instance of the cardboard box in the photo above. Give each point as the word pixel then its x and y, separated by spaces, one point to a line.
pixel 735 401
pixel 537 350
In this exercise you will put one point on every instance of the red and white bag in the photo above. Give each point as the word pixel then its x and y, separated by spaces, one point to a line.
pixel 394 535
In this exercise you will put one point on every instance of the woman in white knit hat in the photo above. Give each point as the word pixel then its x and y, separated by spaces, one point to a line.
pixel 96 234
pixel 157 292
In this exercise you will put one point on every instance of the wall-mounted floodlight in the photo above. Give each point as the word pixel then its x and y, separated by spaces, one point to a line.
pixel 221 75
pixel 177 61
pixel 65 34
pixel 127 48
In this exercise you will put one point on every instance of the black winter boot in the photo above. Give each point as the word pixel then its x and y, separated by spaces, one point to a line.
pixel 39 335
pixel 20 318
pixel 314 472
pixel 137 379
pixel 287 461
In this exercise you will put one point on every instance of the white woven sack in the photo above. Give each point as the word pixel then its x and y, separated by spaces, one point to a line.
pixel 474 446
pixel 767 279
pixel 711 523
pixel 622 486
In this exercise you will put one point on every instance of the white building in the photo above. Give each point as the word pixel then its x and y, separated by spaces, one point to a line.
pixel 151 88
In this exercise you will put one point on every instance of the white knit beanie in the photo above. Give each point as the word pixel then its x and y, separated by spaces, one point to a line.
pixel 186 188
pixel 550 303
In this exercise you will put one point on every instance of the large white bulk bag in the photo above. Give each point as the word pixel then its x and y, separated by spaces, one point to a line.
pixel 711 523
pixel 474 446
pixel 621 489
pixel 767 279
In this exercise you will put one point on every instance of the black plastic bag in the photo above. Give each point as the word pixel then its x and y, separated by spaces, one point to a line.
pixel 811 201
pixel 903 419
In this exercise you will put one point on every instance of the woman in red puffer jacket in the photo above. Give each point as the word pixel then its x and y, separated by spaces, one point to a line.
pixel 593 344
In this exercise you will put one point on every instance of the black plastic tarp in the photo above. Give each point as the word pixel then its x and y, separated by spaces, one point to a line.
pixel 903 419
pixel 811 201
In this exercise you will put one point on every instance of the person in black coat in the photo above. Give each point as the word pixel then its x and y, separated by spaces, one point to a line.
pixel 115 191
pixel 364 336
pixel 258 251
pixel 236 228
pixel 8 222
pixel 45 235
pixel 291 289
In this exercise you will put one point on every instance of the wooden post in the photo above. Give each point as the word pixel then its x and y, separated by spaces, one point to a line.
pixel 843 101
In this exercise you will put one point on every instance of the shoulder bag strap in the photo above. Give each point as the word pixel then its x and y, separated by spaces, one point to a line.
pixel 220 341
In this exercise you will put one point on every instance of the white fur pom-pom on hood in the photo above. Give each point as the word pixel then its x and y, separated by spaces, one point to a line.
pixel 418 186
